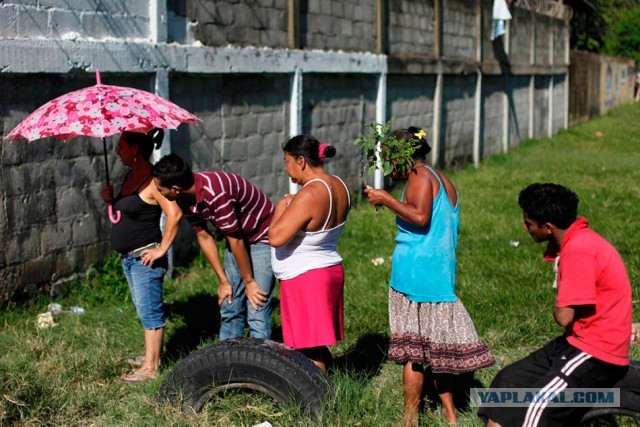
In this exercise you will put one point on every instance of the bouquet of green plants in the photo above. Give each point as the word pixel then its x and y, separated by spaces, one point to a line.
pixel 383 151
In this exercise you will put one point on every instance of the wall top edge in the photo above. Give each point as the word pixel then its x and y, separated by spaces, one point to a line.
pixel 59 56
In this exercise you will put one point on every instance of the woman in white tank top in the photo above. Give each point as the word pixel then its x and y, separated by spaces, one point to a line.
pixel 304 234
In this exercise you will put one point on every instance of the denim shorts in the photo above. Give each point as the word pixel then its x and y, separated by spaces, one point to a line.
pixel 145 284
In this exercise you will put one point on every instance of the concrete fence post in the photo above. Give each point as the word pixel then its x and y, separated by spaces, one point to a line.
pixel 478 95
pixel 158 22
pixel 381 117
pixel 295 113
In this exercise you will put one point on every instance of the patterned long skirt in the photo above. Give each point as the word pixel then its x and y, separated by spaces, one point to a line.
pixel 441 335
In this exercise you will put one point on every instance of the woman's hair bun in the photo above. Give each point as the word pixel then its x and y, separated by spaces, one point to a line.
pixel 329 151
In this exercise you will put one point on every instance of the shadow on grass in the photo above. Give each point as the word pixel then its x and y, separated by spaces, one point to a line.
pixel 201 322
pixel 366 357
pixel 462 385
pixel 201 317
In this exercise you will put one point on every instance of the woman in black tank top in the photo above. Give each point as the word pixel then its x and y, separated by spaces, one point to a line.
pixel 137 237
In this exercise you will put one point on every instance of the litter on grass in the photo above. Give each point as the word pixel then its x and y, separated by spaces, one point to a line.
pixel 377 261
pixel 45 320
pixel 514 243
pixel 55 308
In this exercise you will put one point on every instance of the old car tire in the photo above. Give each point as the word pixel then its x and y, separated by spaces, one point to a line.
pixel 264 366
pixel 629 400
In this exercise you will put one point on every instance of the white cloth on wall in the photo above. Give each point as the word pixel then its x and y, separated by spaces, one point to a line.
pixel 500 15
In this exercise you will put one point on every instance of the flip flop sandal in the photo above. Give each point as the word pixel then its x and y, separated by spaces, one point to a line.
pixel 137 362
pixel 137 377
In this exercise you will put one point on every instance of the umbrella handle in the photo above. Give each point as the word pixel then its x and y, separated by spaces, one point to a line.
pixel 114 218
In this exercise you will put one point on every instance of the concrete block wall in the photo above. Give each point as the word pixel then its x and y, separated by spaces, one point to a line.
pixel 559 94
pixel 458 118
pixel 410 101
pixel 492 113
pixel 411 26
pixel 243 126
pixel 518 104
pixel 520 31
pixel 541 107
pixel 560 46
pixel 338 25
pixel 122 19
pixel 335 110
pixel 543 33
pixel 459 29
pixel 239 22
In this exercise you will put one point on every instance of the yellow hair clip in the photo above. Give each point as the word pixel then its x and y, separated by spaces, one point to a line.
pixel 420 134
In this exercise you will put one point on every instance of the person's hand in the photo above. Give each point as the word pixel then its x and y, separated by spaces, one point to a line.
pixel 256 296
pixel 107 193
pixel 376 196
pixel 224 292
pixel 149 256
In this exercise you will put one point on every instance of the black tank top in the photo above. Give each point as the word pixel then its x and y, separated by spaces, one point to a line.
pixel 139 225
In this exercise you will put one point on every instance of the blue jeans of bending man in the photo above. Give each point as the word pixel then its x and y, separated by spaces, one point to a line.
pixel 234 316
pixel 145 284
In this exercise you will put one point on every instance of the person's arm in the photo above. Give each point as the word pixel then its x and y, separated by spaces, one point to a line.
pixel 418 196
pixel 210 250
pixel 564 315
pixel 292 214
pixel 173 213
pixel 256 296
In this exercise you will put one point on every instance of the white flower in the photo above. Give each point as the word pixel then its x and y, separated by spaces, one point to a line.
pixel 141 112
pixel 59 119
pixel 112 106
pixel 75 127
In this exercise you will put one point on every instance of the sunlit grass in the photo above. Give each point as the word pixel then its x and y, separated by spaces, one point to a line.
pixel 68 374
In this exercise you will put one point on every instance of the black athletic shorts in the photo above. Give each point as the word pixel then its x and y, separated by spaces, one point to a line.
pixel 557 366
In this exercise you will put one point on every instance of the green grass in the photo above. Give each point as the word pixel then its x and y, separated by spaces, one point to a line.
pixel 68 374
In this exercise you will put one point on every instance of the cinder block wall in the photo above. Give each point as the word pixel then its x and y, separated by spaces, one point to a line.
pixel 459 29
pixel 335 110
pixel 242 23
pixel 256 72
pixel 338 25
pixel 458 115
pixel 518 109
pixel 33 19
pixel 492 134
pixel 411 27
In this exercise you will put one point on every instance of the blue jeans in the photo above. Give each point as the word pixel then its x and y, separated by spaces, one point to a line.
pixel 145 284
pixel 232 316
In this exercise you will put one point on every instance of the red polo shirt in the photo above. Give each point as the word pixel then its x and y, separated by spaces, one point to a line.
pixel 591 274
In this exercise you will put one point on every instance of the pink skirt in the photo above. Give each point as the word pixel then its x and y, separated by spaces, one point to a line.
pixel 311 308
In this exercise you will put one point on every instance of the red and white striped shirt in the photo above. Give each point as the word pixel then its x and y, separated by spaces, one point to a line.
pixel 231 204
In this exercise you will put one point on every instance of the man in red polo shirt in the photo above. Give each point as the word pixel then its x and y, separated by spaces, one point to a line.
pixel 229 203
pixel 593 304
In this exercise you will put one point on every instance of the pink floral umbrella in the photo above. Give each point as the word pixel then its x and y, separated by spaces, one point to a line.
pixel 101 111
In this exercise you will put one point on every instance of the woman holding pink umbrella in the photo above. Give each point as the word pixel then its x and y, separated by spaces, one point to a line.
pixel 142 245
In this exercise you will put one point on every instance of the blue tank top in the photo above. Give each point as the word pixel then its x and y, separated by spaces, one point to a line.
pixel 423 266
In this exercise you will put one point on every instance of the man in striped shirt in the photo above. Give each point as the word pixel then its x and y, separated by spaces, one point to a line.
pixel 238 209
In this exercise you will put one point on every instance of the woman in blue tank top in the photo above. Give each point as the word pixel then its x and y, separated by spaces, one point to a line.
pixel 429 325
pixel 137 237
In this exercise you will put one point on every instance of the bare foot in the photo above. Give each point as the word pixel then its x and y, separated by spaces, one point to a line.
pixel 140 375
pixel 450 416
